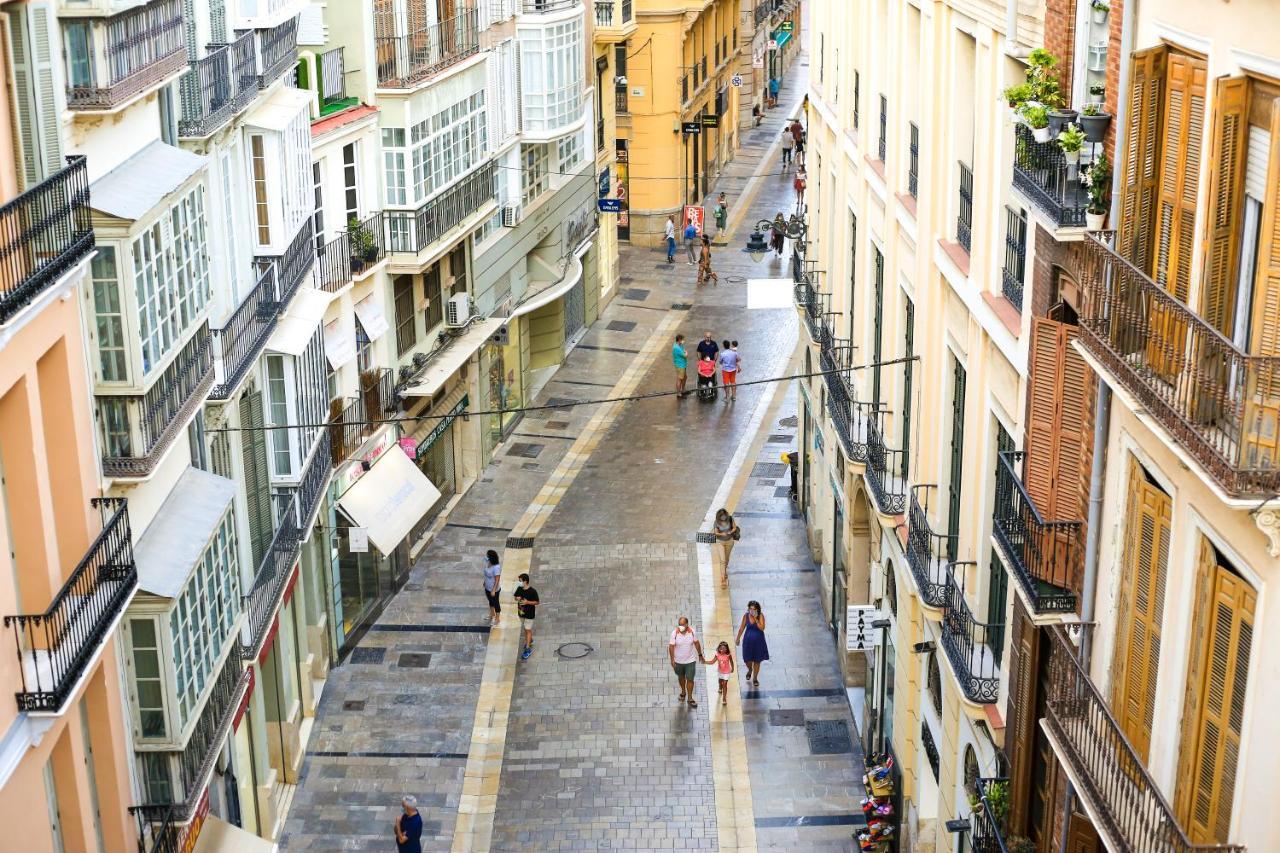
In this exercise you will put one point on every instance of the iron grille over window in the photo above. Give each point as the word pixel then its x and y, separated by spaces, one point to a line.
pixel 964 220
pixel 1015 255
pixel 884 128
pixel 913 167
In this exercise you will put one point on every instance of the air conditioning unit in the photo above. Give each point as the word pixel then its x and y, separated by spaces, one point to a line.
pixel 511 215
pixel 457 311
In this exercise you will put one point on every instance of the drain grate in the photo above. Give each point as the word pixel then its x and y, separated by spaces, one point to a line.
pixel 367 654
pixel 559 401
pixel 525 450
pixel 769 470
pixel 353 705
pixel 681 306
pixel 793 420
pixel 708 538
pixel 782 492
pixel 780 438
pixel 621 325
pixel 635 293
pixel 530 466
pixel 828 737
pixel 519 542
pixel 574 651
pixel 786 717
pixel 414 660
pixel 556 424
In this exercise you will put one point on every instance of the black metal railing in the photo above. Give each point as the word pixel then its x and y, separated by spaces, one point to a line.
pixel 928 552
pixel 883 140
pixel 238 343
pixel 964 219
pixel 415 230
pixel 144 46
pixel 154 418
pixel 292 267
pixel 1042 554
pixel 930 748
pixel 332 71
pixel 311 487
pixel 43 233
pixel 1015 255
pixel 621 104
pixel 55 646
pixel 351 254
pixel 848 416
pixel 359 418
pixel 815 311
pixel 884 469
pixel 1218 401
pixel 277 51
pixel 407 60
pixel 973 647
pixel 1122 797
pixel 273 571
pixel 534 7
pixel 217 87
pixel 985 831
pixel 606 13
pixel 913 163
pixel 158 831
pixel 1041 173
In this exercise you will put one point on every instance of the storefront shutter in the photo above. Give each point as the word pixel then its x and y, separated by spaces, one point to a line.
pixel 1226 188
pixel 257 484
pixel 1179 173
pixel 1140 163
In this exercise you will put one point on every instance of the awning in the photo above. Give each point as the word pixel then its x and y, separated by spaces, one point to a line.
pixel 218 836
pixel 280 110
pixel 550 291
pixel 340 340
pixel 371 317
pixel 446 363
pixel 389 499
pixel 167 551
pixel 295 329
pixel 781 38
pixel 132 189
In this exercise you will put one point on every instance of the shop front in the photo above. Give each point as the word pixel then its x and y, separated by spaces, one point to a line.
pixel 436 447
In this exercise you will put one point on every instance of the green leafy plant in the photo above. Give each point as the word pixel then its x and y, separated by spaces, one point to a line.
pixel 998 800
pixel 1097 90
pixel 1036 117
pixel 1097 180
pixel 363 244
pixel 1101 6
pixel 1071 139
pixel 1091 109
pixel 1020 844
pixel 1019 94
pixel 1042 59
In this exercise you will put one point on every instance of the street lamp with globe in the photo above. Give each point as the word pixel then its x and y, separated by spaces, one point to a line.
pixel 757 245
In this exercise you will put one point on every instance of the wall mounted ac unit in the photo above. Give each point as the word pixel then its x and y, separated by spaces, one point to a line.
pixel 511 215
pixel 457 311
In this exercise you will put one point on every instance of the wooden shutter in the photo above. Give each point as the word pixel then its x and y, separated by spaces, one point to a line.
pixel 1262 406
pixel 257 484
pixel 1139 161
pixel 1179 173
pixel 34 88
pixel 1226 191
pixel 1201 608
pixel 1057 403
pixel 1023 669
pixel 1081 836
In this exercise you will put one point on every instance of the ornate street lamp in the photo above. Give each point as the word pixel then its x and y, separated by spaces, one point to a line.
pixel 757 245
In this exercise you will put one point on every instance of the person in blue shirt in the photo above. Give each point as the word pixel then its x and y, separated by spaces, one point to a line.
pixel 691 241
pixel 680 359
pixel 409 827
pixel 729 371
pixel 773 91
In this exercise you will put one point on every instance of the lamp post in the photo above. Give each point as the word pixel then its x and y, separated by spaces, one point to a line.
pixel 794 229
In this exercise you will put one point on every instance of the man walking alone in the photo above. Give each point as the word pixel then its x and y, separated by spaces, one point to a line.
pixel 669 233
pixel 527 604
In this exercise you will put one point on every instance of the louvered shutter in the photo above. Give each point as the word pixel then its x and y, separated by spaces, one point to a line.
pixel 1140 163
pixel 1179 173
pixel 257 485
pixel 1042 406
pixel 1201 609
pixel 1261 446
pixel 1058 400
pixel 1081 836
pixel 45 51
pixel 34 89
pixel 1226 188
pixel 1023 666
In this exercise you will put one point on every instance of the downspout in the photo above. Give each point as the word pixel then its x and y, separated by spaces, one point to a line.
pixel 1010 26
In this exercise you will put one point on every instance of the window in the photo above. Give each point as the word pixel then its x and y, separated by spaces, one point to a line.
pixel 109 322
pixel 168 116
pixel 891 587
pixel 156 773
pixel 278 415
pixel 115 427
pixel 196 441
pixel 171 275
pixel 79 54
pixel 350 182
pixel 364 350
pixel 954 482
pixel 551 75
pixel 458 269
pixel 435 305
pixel 393 164
pixel 857 94
pixel 406 333
pixel 934 684
pixel 148 682
pixel 447 145
pixel 877 264
pixel 257 155
pixel 232 241
pixel 908 350
pixel 569 150
pixel 533 175
pixel 317 218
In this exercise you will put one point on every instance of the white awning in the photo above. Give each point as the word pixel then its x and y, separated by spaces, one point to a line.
pixel 340 340
pixel 551 291
pixel 389 499
pixel 371 317
pixel 446 363
pixel 218 836
pixel 295 329
pixel 167 551
pixel 280 110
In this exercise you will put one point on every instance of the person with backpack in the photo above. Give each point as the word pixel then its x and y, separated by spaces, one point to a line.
pixel 726 532
pixel 691 241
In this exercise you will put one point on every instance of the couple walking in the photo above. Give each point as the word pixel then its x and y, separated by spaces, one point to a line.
pixel 685 652
pixel 526 598
pixel 710 357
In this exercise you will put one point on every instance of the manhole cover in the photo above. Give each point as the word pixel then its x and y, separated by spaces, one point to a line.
pixel 786 717
pixel 782 492
pixel 681 306
pixel 621 325
pixel 525 449
pixel 559 401
pixel 769 470
pixel 735 279
pixel 708 538
pixel 780 438
pixel 636 293
pixel 414 660
pixel 828 737
pixel 791 421
pixel 573 651
pixel 367 654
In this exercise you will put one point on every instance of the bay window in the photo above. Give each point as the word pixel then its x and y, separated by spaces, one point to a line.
pixel 171 276
pixel 551 75
pixel 446 146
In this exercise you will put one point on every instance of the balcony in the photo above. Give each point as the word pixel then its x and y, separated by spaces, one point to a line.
pixel 237 344
pixel 964 215
pixel 1041 554
pixel 413 231
pixel 886 469
pixel 928 553
pixel 351 425
pixel 331 67
pixel 543 7
pixel 405 61
pixel 973 647
pixel 1216 401
pixel 143 47
pixel 277 51
pixel 217 87
pixel 848 416
pixel 1015 256
pixel 352 254
pixel 137 430
pixel 277 563
pixel 986 835
pixel 43 233
pixel 615 20
pixel 1042 174
pixel 56 646
pixel 1125 803
pixel 298 259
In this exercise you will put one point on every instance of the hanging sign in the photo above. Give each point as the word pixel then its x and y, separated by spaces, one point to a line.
pixel 710 121
pixel 695 216
pixel 358 540
pixel 690 127
pixel 735 80
pixel 859 635
pixel 609 205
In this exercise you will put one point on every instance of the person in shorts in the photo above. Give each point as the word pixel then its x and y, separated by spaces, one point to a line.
pixel 685 651
pixel 728 359
pixel 527 604
pixel 723 660
pixel 680 360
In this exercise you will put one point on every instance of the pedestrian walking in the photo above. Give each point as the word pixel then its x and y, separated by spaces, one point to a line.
pixel 726 532
pixel 793 462
pixel 684 651
pixel 723 659
pixel 729 363
pixel 773 92
pixel 754 648
pixel 722 212
pixel 691 241
pixel 788 146
pixel 708 346
pixel 680 360
pixel 800 184
pixel 527 604
pixel 669 233
pixel 493 585
pixel 779 232
pixel 409 827
pixel 705 271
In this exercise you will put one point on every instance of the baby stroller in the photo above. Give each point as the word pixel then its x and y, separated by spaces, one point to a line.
pixel 707 386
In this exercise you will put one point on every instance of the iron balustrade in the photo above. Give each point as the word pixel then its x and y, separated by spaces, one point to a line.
pixel 217 87
pixel 964 219
pixel 351 254
pixel 268 582
pixel 883 141
pixel 311 487
pixel 55 647
pixel 239 342
pixel 883 471
pixel 1042 554
pixel 605 12
pixel 413 231
pixel 166 836
pixel 331 68
pixel 621 104
pixel 1015 255
pixel 143 47
pixel 913 164
pixel 928 552
pixel 764 8
pixel 407 60
pixel 44 232
pixel 292 267
pixel 153 419
pixel 1042 174
pixel 985 833
pixel 1220 403
pixel 1122 797
pixel 534 7
pixel 277 51
pixel 357 420
pixel 973 647
pixel 930 748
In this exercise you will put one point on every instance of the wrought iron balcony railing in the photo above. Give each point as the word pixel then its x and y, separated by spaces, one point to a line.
pixel 1042 174
pixel 1042 554
pixel 55 647
pixel 405 61
pixel 273 571
pixel 928 552
pixel 332 69
pixel 351 253
pixel 536 7
pixel 217 87
pixel 884 469
pixel 1119 792
pixel 973 647
pixel 144 46
pixel 1220 403
pixel 848 416
pixel 413 231
pixel 298 259
pixel 358 419
pixel 44 232
pixel 136 430
pixel 930 748
pixel 913 163
pixel 964 218
pixel 277 51
pixel 310 487
pixel 1015 256
pixel 238 343
pixel 985 832
pixel 882 141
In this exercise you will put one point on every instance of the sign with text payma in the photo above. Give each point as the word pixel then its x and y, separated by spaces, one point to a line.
pixel 859 635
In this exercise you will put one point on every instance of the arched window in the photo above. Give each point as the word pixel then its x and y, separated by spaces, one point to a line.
pixel 935 684
pixel 970 771
pixel 891 587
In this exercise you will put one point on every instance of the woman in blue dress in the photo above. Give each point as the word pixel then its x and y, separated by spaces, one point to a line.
pixel 754 648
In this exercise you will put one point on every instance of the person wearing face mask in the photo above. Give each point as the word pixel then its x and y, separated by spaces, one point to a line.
pixel 754 650
pixel 685 651
pixel 527 604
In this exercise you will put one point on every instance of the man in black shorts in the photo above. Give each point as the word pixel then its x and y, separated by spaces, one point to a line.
pixel 527 604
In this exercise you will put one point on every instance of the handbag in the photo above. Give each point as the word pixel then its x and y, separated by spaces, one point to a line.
pixel 737 531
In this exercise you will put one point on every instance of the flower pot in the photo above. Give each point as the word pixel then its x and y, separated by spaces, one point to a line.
pixel 1094 127
pixel 1095 221
pixel 1058 119
pixel 1100 15
pixel 1073 157
pixel 357 264
pixel 1041 134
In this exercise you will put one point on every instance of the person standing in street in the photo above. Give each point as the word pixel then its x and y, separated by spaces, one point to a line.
pixel 729 371
pixel 800 183
pixel 680 360
pixel 773 92
pixel 705 271
pixel 726 532
pixel 409 827
pixel 669 233
pixel 797 134
pixel 793 462
pixel 527 601
pixel 779 233
pixel 691 241
pixel 493 585
pixel 708 347
pixel 722 212
pixel 685 651
pixel 754 649
pixel 788 145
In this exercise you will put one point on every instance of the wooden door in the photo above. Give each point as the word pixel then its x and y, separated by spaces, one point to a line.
pixel 1139 160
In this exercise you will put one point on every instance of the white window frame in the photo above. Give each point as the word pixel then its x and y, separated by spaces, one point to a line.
pixel 447 145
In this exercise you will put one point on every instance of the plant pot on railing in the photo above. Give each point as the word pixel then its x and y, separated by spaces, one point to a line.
pixel 1060 118
pixel 1094 122
pixel 364 247
pixel 1095 221
pixel 1071 140
pixel 1037 118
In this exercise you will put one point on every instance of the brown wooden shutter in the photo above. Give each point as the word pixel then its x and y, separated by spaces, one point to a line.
pixel 1057 400
pixel 1179 173
pixel 1023 668
pixel 1226 191
pixel 1201 608
pixel 1140 161
pixel 1081 836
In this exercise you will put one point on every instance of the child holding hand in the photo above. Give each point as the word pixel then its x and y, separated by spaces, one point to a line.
pixel 723 660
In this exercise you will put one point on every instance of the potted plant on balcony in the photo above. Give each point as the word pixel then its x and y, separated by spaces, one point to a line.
pixel 1059 117
pixel 1097 180
pixel 1097 91
pixel 364 248
pixel 1094 122
pixel 1070 141
pixel 1100 10
pixel 1037 118
pixel 1018 95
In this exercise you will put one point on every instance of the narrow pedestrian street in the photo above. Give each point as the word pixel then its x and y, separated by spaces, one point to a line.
pixel 584 745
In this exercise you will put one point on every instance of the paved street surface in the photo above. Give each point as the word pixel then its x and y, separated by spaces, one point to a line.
pixel 595 752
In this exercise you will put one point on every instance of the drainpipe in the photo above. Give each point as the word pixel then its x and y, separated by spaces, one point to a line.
pixel 1122 103
pixel 1101 426
pixel 1010 26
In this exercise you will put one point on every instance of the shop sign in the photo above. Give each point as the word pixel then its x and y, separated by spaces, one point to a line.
pixel 711 121
pixel 695 216
pixel 604 182
pixel 191 832
pixel 690 127
pixel 859 635
pixel 445 422
pixel 354 470
pixel 787 26
pixel 610 205
pixel 358 540
pixel 579 227
pixel 410 447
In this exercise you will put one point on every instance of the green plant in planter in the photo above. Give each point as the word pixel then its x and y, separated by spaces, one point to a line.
pixel 1091 109
pixel 1020 844
pixel 998 801
pixel 1071 139
pixel 1018 95
pixel 1101 6
pixel 363 245
pixel 1041 59
pixel 1097 90
pixel 1035 116
pixel 1097 180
